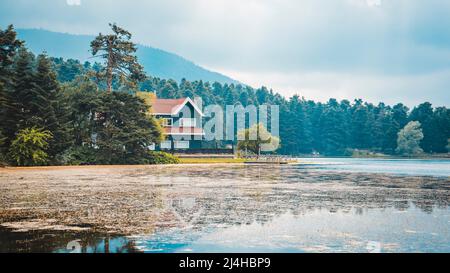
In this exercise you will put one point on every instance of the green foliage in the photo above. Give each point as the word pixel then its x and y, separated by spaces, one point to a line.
pixel 116 125
pixel 63 96
pixel 154 158
pixel 257 139
pixel 122 128
pixel 120 62
pixel 30 147
pixel 8 46
pixel 409 139
pixel 78 155
pixel 448 145
pixel 51 108
pixel 2 150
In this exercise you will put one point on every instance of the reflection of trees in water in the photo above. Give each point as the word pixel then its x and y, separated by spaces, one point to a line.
pixel 281 190
pixel 42 241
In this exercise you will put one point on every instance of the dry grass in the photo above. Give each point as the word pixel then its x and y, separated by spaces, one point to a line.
pixel 211 160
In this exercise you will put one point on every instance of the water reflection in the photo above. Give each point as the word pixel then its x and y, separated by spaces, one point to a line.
pixel 222 208
pixel 47 241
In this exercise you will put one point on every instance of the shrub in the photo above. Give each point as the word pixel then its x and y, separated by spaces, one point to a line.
pixel 161 158
pixel 30 147
pixel 80 155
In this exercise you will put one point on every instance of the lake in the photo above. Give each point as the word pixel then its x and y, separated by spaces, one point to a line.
pixel 325 205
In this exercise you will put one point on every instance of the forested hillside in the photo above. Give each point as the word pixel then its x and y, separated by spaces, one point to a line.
pixel 157 62
pixel 57 111
pixel 332 128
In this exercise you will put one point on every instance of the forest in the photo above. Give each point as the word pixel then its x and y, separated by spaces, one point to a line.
pixel 56 111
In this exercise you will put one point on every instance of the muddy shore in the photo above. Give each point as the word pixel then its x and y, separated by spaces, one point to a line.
pixel 142 199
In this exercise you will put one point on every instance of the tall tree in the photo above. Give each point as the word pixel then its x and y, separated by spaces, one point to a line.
pixel 123 130
pixel 9 46
pixel 424 114
pixel 22 95
pixel 120 62
pixel 52 109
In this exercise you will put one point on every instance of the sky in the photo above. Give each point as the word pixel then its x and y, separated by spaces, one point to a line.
pixel 377 50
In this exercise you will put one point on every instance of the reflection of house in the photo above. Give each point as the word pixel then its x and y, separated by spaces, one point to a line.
pixel 182 123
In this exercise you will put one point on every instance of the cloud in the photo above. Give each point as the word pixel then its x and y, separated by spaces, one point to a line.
pixel 361 39
pixel 73 2
pixel 408 89
pixel 373 3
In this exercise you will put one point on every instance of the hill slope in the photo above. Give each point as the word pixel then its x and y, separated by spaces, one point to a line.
pixel 158 63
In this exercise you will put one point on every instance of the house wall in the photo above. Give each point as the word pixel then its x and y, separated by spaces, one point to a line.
pixel 193 144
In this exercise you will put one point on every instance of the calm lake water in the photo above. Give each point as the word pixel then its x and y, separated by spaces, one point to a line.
pixel 391 166
pixel 332 205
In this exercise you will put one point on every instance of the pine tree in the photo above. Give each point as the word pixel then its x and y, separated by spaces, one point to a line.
pixel 424 114
pixel 123 129
pixel 51 108
pixel 9 46
pixel 19 114
pixel 120 62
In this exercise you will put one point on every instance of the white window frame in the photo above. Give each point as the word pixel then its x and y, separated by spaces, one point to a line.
pixel 192 122
pixel 152 147
pixel 166 145
pixel 181 145
pixel 166 122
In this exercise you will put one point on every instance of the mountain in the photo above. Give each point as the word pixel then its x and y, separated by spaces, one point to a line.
pixel 157 62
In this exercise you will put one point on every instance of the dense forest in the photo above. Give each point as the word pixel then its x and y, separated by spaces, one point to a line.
pixel 332 128
pixel 58 106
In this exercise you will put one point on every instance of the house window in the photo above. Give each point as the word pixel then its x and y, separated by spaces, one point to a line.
pixel 167 122
pixel 152 147
pixel 181 144
pixel 166 145
pixel 188 122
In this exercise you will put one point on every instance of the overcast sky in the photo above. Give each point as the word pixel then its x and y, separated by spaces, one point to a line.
pixel 378 50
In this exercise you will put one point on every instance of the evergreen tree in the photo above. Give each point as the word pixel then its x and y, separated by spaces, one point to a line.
pixel 334 136
pixel 9 46
pixel 424 114
pixel 120 62
pixel 22 95
pixel 360 130
pixel 51 108
pixel 123 131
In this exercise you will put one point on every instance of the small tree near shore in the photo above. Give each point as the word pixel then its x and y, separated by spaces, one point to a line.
pixel 409 138
pixel 257 139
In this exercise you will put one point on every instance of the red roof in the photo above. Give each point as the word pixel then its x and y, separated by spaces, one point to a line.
pixel 166 106
pixel 182 131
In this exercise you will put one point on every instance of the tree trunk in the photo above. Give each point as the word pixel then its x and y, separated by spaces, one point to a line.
pixel 109 68
pixel 107 245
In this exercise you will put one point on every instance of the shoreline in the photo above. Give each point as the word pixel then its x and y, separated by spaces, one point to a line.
pixel 210 162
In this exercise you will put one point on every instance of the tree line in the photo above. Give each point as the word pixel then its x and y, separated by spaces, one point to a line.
pixel 306 126
pixel 70 106
pixel 46 121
